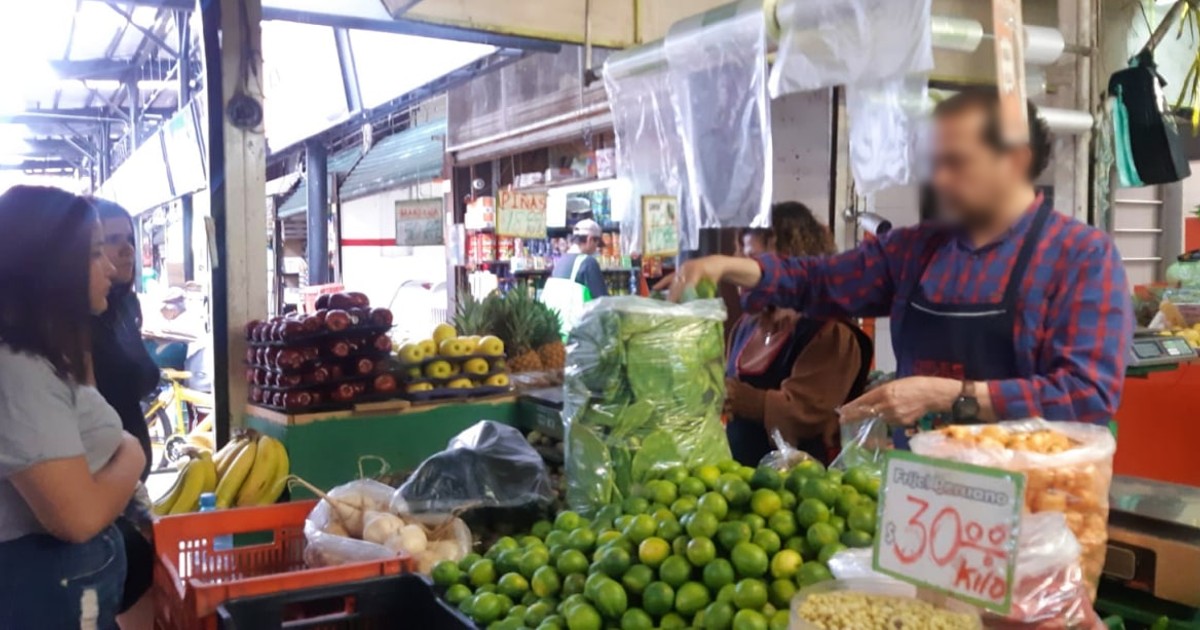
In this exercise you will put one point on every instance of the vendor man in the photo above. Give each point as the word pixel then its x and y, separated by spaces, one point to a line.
pixel 1005 310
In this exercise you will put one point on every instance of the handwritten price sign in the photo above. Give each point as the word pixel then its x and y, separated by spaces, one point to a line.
pixel 660 225
pixel 951 527
pixel 419 223
pixel 522 215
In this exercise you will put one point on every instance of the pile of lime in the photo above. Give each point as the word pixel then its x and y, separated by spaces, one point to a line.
pixel 715 547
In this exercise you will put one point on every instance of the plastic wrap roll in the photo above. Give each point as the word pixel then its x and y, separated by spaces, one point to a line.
pixel 1043 45
pixel 950 33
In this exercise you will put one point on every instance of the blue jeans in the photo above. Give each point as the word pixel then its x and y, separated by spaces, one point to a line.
pixel 48 583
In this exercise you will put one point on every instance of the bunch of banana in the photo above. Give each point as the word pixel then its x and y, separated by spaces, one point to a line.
pixel 251 470
pixel 198 475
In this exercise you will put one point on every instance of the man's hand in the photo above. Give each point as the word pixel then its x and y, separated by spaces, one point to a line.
pixel 904 401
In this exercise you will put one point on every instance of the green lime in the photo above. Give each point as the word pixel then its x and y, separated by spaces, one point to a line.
pixel 859 478
pixel 692 487
pixel 821 534
pixel 755 521
pixel 541 528
pixel 592 585
pixel 556 537
pixel 506 562
pixel 514 585
pixel 636 619
pixel 726 593
pixel 730 534
pixel 701 551
pixel 669 528
pixel 811 512
pixel 607 536
pixel 636 578
pixel 573 584
pixel 827 552
pixel 537 613
pixel 717 574
pixel 750 593
pixel 658 599
pixel 675 571
pixel 855 538
pixel 679 545
pixel 518 612
pixel 781 592
pixel 745 472
pixel 614 561
pixel 683 505
pixel 530 597
pixel 702 523
pixel 545 582
pixel 611 600
pixel 482 572
pixel 729 466
pixel 635 505
pixel 810 468
pixel 570 602
pixel 529 541
pixel 794 481
pixel 785 564
pixel 582 539
pixel 838 523
pixel 766 477
pixel 502 544
pixel 768 540
pixel 672 621
pixel 812 573
pixel 827 490
pixel 487 608
pixel 691 598
pixel 642 527
pixel 653 551
pixel 848 500
pixel 788 498
pixel 622 542
pixel 709 475
pixel 534 558
pixel 583 617
pixel 660 491
pixel 567 521
pixel 765 502
pixel 469 561
pixel 735 491
pixel 872 490
pixel 605 516
pixel 572 561
pixel 457 593
pixel 553 622
pixel 719 616
pixel 783 523
pixel 749 560
pixel 622 521
pixel 446 573
pixel 862 519
pixel 779 620
pixel 486 588
pixel 748 620
pixel 715 503
pixel 467 606
pixel 675 474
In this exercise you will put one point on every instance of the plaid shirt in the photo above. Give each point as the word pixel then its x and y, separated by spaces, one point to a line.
pixel 1075 319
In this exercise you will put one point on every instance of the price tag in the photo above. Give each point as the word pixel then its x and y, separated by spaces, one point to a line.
pixel 419 223
pixel 660 225
pixel 521 214
pixel 951 527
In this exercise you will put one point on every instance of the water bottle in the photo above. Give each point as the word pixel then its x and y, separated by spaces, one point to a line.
pixel 208 503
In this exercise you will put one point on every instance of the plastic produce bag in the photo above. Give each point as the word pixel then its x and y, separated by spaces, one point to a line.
pixel 865 443
pixel 717 73
pixel 1067 465
pixel 488 465
pixel 644 388
pixel 883 130
pixel 785 456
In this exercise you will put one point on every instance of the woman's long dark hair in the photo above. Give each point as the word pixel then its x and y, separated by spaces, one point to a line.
pixel 797 231
pixel 45 268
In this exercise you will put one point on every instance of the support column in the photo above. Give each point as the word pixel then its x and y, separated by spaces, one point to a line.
pixel 317 176
pixel 237 188
pixel 134 99
pixel 189 251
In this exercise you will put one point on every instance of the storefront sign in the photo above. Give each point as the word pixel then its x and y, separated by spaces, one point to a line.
pixel 521 214
pixel 951 527
pixel 1010 69
pixel 660 225
pixel 419 223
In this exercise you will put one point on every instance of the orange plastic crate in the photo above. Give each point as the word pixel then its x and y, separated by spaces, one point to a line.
pixel 191 580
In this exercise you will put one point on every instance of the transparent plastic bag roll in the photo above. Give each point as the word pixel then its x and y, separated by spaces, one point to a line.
pixel 644 388
pixel 650 152
pixel 717 73
pixel 851 42
pixel 883 130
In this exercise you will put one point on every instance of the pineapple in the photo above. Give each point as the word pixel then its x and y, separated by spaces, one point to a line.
pixel 470 316
pixel 517 329
pixel 548 339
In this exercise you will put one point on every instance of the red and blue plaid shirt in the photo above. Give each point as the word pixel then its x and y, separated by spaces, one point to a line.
pixel 1075 319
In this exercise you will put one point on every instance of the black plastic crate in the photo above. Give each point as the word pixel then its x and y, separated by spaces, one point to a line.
pixel 403 601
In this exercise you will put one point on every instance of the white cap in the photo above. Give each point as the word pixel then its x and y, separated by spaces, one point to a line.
pixel 587 227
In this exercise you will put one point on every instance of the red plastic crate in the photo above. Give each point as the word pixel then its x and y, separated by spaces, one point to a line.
pixel 191 580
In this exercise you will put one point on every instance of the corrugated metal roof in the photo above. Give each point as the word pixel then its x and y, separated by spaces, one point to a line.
pixel 341 163
pixel 413 155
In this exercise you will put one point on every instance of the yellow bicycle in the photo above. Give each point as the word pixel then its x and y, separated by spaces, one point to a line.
pixel 179 416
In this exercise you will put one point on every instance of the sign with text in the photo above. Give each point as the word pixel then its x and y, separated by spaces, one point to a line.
pixel 419 223
pixel 951 527
pixel 1009 27
pixel 521 214
pixel 660 225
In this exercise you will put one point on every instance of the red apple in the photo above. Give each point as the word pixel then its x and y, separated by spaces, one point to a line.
pixel 311 353
pixel 381 317
pixel 320 316
pixel 292 329
pixel 251 355
pixel 322 301
pixel 365 366
pixel 251 326
pixel 316 397
pixel 290 380
pixel 382 343
pixel 289 359
pixel 337 320
pixel 343 393
pixel 341 301
pixel 384 383
pixel 339 348
pixel 359 299
pixel 320 374
pixel 336 373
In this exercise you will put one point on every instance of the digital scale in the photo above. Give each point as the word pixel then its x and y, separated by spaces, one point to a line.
pixel 1154 349
pixel 1154 539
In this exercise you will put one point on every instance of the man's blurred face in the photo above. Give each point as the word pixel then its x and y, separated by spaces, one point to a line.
pixel 971 178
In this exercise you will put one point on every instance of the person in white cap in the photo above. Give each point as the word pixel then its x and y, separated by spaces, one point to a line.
pixel 585 241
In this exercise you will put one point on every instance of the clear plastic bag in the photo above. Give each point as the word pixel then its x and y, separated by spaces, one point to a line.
pixel 854 564
pixel 851 42
pixel 846 599
pixel 487 465
pixel 883 130
pixel 785 456
pixel 644 388
pixel 717 74
pixel 865 444
pixel 1074 480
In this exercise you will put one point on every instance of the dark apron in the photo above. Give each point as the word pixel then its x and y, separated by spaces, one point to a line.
pixel 973 342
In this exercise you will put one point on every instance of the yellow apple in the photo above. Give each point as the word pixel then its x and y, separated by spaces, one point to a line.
pixel 497 380
pixel 419 387
pixel 453 347
pixel 411 353
pixel 476 366
pixel 429 347
pixel 460 383
pixel 413 373
pixel 438 369
pixel 468 344
pixel 444 332
pixel 491 346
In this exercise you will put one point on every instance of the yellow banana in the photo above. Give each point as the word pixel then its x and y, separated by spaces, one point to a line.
pixel 202 441
pixel 210 472
pixel 231 483
pixel 262 473
pixel 279 481
pixel 162 506
pixel 224 462
pixel 193 484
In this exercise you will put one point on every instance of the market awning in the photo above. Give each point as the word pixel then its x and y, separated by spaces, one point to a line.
pixel 340 163
pixel 414 155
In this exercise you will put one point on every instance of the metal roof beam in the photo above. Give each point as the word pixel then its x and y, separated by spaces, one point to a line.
pixel 81 116
pixel 110 69
pixel 147 32
pixel 174 5
pixel 39 165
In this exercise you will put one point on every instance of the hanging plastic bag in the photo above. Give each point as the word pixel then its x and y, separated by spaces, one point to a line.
pixel 644 388
pixel 850 42
pixel 865 444
pixel 883 130
pixel 785 457
pixel 717 73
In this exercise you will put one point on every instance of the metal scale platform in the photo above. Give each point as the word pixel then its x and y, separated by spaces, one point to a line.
pixel 1153 351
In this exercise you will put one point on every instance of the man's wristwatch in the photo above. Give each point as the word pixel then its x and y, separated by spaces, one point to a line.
pixel 965 409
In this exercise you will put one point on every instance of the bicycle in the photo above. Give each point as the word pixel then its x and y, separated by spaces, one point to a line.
pixel 191 411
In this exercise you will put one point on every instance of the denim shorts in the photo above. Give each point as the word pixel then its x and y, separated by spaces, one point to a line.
pixel 48 583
